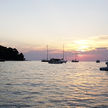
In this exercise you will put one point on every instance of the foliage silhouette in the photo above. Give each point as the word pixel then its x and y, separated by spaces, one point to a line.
pixel 10 54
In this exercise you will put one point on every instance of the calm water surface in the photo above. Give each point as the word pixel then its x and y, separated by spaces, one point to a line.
pixel 40 85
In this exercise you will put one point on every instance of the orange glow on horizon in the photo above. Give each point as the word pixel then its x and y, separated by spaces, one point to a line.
pixel 82 45
pixel 79 45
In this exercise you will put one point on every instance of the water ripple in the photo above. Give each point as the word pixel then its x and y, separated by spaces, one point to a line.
pixel 40 85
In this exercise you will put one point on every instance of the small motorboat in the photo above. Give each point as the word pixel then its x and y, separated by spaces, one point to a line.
pixel 75 60
pixel 104 68
pixel 97 61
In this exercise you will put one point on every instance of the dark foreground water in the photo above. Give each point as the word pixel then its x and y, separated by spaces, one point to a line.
pixel 41 85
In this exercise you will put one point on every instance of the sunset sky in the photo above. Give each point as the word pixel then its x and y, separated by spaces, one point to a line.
pixel 30 25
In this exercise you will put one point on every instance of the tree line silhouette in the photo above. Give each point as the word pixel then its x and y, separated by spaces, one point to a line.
pixel 10 54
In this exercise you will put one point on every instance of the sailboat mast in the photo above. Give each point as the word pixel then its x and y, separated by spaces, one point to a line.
pixel 75 56
pixel 63 52
pixel 47 52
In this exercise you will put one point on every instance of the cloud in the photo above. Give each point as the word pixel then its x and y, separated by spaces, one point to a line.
pixel 97 42
pixel 101 38
pixel 98 53
pixel 41 54
pixel 97 49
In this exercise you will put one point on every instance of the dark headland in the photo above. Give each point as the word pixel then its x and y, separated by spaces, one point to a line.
pixel 10 54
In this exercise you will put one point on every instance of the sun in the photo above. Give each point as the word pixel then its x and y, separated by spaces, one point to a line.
pixel 81 45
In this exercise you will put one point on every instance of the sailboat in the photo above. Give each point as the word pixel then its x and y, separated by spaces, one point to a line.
pixel 75 60
pixel 46 60
pixel 56 60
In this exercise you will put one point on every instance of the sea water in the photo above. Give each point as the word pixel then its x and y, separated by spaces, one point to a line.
pixel 34 84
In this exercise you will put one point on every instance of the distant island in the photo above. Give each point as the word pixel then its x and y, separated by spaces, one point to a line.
pixel 10 54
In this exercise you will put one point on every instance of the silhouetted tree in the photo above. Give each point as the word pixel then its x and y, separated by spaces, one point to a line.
pixel 10 54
